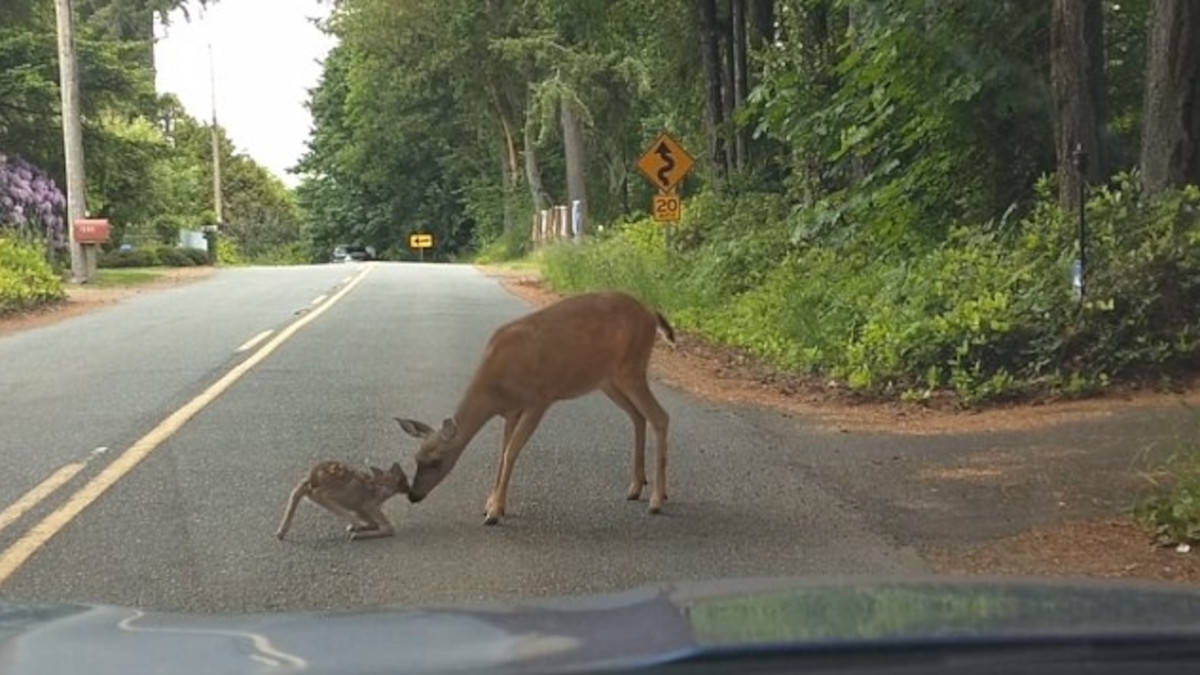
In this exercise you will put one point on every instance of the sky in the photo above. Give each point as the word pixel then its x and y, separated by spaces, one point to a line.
pixel 266 55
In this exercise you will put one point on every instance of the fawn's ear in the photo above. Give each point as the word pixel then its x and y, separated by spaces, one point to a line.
pixel 396 469
pixel 376 472
pixel 415 428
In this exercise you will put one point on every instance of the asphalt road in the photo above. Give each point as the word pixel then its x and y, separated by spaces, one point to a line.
pixel 190 527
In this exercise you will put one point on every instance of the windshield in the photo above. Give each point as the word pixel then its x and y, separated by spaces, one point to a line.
pixel 328 305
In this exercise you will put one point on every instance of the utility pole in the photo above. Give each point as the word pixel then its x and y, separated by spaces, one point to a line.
pixel 216 147
pixel 82 269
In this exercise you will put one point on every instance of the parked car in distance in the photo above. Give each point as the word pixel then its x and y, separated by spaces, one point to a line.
pixel 347 253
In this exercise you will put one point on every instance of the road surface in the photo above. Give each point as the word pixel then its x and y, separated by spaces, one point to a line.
pixel 189 527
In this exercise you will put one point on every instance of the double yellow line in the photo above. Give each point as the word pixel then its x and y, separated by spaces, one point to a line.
pixel 15 555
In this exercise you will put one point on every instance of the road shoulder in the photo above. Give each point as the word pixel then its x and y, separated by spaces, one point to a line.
pixel 82 299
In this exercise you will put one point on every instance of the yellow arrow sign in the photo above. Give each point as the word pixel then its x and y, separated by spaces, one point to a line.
pixel 665 163
pixel 420 241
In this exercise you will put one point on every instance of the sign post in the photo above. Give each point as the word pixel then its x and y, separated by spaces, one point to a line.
pixel 420 242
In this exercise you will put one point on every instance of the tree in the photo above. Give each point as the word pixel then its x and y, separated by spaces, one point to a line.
pixel 1170 153
pixel 1078 85
pixel 714 106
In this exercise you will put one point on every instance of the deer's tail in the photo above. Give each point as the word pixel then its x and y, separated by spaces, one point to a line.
pixel 664 326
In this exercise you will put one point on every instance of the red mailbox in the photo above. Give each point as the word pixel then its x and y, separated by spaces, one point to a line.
pixel 91 231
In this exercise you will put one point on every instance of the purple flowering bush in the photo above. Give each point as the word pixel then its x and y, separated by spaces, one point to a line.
pixel 31 216
pixel 31 205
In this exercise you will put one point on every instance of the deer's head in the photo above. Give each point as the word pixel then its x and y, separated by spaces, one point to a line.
pixel 439 451
pixel 390 482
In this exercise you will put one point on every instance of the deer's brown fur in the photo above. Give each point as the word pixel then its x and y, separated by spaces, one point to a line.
pixel 584 343
pixel 354 495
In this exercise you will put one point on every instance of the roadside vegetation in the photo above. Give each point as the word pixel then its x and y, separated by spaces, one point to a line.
pixel 885 194
pixel 1170 504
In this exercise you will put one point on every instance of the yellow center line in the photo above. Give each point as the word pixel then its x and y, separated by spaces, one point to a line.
pixel 39 492
pixel 249 344
pixel 15 555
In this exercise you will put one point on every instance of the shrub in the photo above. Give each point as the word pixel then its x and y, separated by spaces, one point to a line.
pixel 26 279
pixel 228 252
pixel 197 256
pixel 138 257
pixel 987 312
pixel 295 253
pixel 175 257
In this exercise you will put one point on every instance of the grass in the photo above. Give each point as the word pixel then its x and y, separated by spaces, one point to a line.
pixel 530 263
pixel 126 276
pixel 1170 509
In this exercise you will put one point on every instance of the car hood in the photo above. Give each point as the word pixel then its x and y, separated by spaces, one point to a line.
pixel 647 625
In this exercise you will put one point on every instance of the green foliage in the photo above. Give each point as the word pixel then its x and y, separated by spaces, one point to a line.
pixel 987 312
pixel 153 256
pixel 1170 507
pixel 26 279
pixel 138 257
pixel 295 253
pixel 228 252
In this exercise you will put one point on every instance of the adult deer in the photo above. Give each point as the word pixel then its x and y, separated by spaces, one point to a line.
pixel 570 348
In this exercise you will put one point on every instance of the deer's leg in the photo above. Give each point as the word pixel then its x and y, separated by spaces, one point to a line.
pixel 366 521
pixel 510 421
pixel 526 423
pixel 336 509
pixel 637 474
pixel 638 391
pixel 381 527
pixel 300 491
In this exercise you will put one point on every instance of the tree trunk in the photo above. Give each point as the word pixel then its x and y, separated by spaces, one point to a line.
pixel 1171 110
pixel 540 199
pixel 1077 79
pixel 508 161
pixel 727 100
pixel 710 60
pixel 737 14
pixel 573 153
pixel 506 185
pixel 762 21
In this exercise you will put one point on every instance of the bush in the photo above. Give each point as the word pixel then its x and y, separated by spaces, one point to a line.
pixel 175 257
pixel 197 256
pixel 138 257
pixel 988 312
pixel 153 256
pixel 295 253
pixel 228 252
pixel 26 279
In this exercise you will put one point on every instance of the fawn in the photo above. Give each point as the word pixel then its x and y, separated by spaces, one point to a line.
pixel 354 495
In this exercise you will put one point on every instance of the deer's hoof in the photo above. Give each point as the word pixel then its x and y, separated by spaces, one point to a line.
pixel 491 519
pixel 655 504
pixel 634 492
pixel 279 535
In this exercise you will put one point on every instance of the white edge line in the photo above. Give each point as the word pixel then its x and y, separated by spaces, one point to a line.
pixel 317 300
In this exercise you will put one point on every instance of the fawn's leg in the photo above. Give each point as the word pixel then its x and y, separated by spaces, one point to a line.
pixel 381 527
pixel 299 492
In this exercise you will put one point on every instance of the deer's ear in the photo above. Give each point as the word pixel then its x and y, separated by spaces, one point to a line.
pixel 376 471
pixel 396 469
pixel 415 428
pixel 449 428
